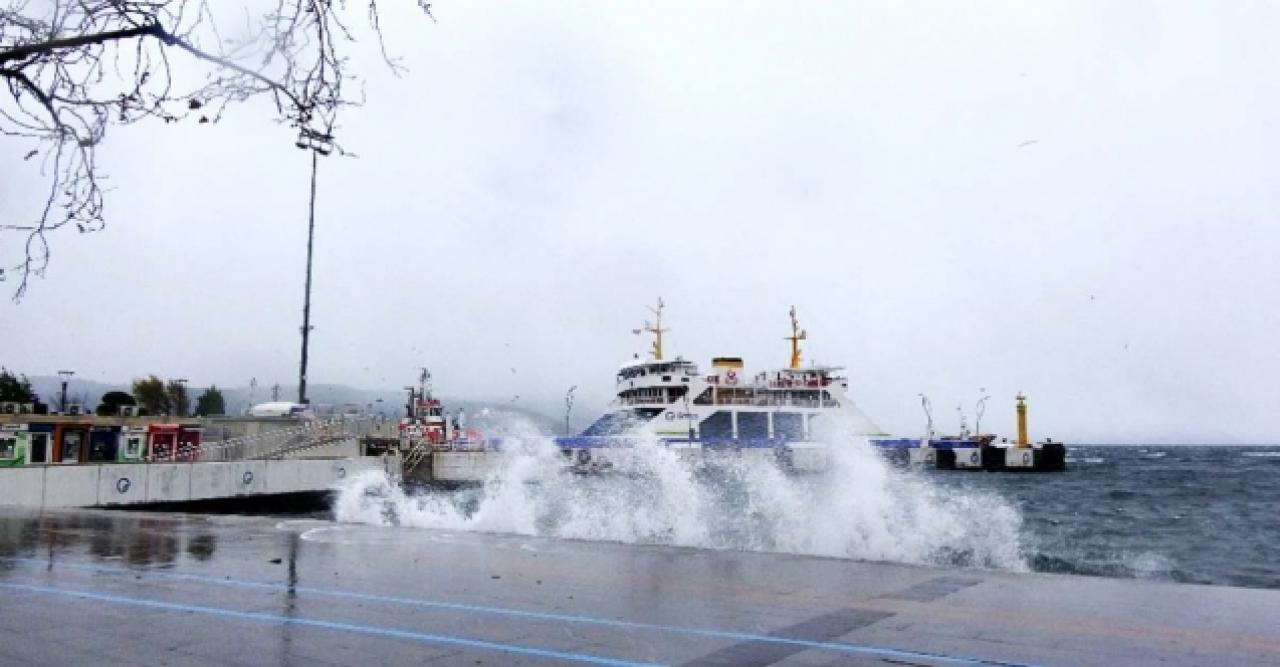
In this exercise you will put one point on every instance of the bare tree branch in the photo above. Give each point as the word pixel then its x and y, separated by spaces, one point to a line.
pixel 73 68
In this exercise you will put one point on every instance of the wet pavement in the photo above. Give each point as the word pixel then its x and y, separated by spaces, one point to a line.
pixel 100 587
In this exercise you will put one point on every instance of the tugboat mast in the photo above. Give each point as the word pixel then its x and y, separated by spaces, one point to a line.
pixel 797 335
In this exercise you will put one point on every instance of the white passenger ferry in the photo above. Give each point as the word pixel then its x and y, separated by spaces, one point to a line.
pixel 776 411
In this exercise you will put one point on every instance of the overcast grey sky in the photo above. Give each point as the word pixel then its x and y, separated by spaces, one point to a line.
pixel 1076 200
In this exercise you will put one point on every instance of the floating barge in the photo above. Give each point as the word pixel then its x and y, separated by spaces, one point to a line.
pixel 979 452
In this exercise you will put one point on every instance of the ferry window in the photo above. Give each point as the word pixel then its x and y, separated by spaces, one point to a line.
pixel 753 425
pixel 718 425
pixel 666 378
pixel 789 425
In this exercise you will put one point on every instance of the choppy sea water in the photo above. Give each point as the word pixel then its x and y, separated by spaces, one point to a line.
pixel 1189 514
pixel 1200 514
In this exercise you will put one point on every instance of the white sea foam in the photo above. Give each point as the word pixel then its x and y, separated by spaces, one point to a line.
pixel 1150 565
pixel 860 508
pixel 1262 454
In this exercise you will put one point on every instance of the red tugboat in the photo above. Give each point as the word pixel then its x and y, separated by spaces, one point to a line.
pixel 427 428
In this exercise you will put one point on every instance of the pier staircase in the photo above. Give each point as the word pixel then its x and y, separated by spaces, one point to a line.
pixel 416 455
pixel 288 441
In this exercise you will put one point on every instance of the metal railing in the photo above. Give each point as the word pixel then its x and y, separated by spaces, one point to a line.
pixel 285 440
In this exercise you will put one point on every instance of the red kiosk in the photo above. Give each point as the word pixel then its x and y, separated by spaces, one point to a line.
pixel 188 442
pixel 162 442
pixel 173 442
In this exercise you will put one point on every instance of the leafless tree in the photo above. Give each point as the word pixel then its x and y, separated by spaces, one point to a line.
pixel 70 69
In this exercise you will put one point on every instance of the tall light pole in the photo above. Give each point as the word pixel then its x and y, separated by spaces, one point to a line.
pixel 319 143
pixel 66 377
pixel 306 301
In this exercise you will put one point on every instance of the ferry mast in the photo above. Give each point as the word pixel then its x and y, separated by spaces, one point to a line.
pixel 797 335
pixel 655 329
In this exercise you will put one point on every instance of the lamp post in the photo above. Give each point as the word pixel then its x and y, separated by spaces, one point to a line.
pixel 181 394
pixel 928 415
pixel 981 410
pixel 568 407
pixel 66 377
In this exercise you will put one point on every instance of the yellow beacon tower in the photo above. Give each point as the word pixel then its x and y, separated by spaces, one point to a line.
pixel 1022 421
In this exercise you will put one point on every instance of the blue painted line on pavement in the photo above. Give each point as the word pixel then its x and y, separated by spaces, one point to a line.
pixel 328 625
pixel 838 647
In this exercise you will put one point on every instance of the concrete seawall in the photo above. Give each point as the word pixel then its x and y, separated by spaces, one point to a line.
pixel 55 486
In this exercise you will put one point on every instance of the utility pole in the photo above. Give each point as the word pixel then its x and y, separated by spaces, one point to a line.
pixel 66 377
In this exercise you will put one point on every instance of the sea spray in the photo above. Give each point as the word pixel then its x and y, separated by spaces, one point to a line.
pixel 653 494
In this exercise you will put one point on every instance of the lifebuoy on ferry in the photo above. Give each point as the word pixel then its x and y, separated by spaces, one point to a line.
pixel 731 376
pixel 973 457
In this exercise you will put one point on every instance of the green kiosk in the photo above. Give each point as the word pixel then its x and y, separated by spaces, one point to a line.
pixel 14 440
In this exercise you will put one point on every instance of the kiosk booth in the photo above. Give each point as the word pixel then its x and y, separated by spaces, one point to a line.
pixel 104 443
pixel 14 439
pixel 39 443
pixel 188 442
pixel 162 442
pixel 133 444
pixel 70 443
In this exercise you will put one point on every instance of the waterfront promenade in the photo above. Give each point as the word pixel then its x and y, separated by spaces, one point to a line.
pixel 80 587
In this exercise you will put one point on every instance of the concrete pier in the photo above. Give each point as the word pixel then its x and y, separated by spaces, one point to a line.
pixel 99 587
pixel 96 485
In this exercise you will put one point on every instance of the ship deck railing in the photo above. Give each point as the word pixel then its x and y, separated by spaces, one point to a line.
pixel 630 442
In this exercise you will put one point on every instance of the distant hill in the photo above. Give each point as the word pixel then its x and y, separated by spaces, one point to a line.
pixel 324 397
